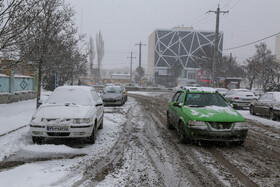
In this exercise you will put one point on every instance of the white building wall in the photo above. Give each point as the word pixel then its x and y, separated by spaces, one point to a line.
pixel 277 47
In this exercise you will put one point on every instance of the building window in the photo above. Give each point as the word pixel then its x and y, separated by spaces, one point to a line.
pixel 191 75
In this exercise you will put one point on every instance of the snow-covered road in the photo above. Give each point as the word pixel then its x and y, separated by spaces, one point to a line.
pixel 135 148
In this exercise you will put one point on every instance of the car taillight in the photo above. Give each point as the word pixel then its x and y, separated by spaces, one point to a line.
pixel 236 98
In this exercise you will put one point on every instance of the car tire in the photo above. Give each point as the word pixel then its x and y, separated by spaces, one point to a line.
pixel 169 125
pixel 37 140
pixel 272 115
pixel 182 136
pixel 240 142
pixel 92 137
pixel 252 110
pixel 101 124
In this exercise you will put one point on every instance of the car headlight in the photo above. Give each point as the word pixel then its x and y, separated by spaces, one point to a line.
pixel 197 123
pixel 35 120
pixel 119 98
pixel 81 120
pixel 241 125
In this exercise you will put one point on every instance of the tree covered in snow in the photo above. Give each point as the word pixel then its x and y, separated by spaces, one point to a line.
pixel 100 51
pixel 51 44
pixel 91 55
pixel 262 65
pixel 226 66
pixel 16 17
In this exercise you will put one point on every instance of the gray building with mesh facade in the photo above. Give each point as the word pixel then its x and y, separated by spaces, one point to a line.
pixel 173 54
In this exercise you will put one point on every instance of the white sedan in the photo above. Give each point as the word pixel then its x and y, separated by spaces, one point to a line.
pixel 70 112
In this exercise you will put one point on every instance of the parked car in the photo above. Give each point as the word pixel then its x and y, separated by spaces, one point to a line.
pixel 267 105
pixel 131 87
pixel 179 87
pixel 222 91
pixel 124 92
pixel 69 112
pixel 257 91
pixel 240 98
pixel 205 115
pixel 113 95
pixel 189 88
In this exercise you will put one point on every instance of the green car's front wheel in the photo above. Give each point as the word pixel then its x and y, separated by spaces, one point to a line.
pixel 181 132
pixel 169 125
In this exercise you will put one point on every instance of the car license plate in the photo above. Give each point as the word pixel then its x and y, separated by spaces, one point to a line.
pixel 57 128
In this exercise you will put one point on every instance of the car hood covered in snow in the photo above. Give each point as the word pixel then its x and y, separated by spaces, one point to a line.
pixel 62 111
pixel 213 113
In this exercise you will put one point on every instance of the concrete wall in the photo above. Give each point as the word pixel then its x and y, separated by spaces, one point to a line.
pixel 17 96
pixel 277 47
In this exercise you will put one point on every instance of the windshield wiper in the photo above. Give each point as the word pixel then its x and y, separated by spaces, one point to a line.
pixel 67 104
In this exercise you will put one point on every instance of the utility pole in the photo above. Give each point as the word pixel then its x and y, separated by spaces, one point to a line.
pixel 131 57
pixel 140 45
pixel 139 70
pixel 215 58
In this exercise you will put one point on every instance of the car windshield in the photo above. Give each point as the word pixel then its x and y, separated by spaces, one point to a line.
pixel 205 99
pixel 112 89
pixel 70 96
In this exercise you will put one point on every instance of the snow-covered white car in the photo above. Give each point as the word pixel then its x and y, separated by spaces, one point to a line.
pixel 69 112
pixel 177 88
pixel 241 98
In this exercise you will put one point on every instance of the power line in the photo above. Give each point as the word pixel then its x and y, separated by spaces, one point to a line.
pixel 244 45
pixel 235 4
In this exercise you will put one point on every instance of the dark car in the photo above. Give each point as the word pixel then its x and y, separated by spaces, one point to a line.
pixel 131 87
pixel 267 105
pixel 113 95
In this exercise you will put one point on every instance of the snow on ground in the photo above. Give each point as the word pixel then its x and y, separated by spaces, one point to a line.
pixel 246 114
pixel 146 93
pixel 18 114
pixel 46 173
pixel 15 115
pixel 18 146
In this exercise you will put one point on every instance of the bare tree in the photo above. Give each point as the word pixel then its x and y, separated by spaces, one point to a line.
pixel 91 55
pixel 54 21
pixel 263 64
pixel 100 51
pixel 16 16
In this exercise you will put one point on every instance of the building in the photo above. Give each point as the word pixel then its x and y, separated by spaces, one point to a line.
pixel 277 47
pixel 173 54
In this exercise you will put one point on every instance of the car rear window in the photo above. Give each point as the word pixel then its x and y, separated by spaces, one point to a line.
pixel 112 89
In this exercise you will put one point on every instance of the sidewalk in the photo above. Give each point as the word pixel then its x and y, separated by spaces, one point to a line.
pixel 15 115
pixel 18 114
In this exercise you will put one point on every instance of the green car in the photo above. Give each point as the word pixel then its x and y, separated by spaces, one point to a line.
pixel 199 115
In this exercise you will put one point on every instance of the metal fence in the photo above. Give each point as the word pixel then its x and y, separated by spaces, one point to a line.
pixel 16 83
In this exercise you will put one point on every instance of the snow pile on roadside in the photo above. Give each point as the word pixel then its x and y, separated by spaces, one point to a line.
pixel 146 93
pixel 246 114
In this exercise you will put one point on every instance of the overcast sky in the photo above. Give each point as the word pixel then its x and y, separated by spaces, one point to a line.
pixel 124 23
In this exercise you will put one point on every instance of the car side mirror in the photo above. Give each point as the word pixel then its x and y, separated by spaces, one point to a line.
pixel 176 104
pixel 233 105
